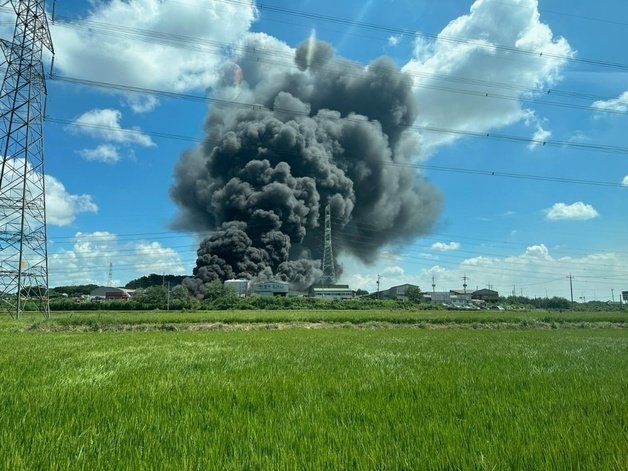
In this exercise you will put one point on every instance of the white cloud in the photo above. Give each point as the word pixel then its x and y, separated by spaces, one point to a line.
pixel 444 246
pixel 540 134
pixel 483 64
pixel 395 270
pixel 624 182
pixel 576 211
pixel 534 273
pixel 142 103
pixel 539 137
pixel 394 40
pixel 105 124
pixel 87 261
pixel 106 153
pixel 63 207
pixel 618 105
pixel 151 43
pixel 151 257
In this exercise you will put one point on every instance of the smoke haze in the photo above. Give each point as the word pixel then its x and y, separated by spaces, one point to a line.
pixel 326 132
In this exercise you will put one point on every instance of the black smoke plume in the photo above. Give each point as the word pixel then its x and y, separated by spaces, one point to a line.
pixel 326 132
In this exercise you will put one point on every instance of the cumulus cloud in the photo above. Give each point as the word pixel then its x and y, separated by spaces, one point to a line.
pixel 454 80
pixel 616 105
pixel 445 246
pixel 535 272
pixel 106 153
pixel 105 124
pixel 151 257
pixel 624 182
pixel 151 43
pixel 63 207
pixel 87 260
pixel 394 270
pixel 577 211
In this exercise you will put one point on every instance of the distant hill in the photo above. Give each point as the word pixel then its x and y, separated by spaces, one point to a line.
pixel 73 291
pixel 155 280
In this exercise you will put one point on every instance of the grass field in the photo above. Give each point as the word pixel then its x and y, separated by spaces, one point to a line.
pixel 396 398
pixel 103 320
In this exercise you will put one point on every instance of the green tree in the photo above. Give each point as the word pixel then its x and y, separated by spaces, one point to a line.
pixel 413 294
pixel 179 295
pixel 217 290
pixel 154 296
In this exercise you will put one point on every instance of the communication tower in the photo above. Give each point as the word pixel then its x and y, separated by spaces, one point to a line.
pixel 23 238
pixel 329 273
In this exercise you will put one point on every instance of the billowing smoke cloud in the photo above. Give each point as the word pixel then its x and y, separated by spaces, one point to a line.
pixel 326 132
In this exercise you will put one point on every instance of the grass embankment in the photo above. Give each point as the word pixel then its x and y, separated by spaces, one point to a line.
pixel 316 399
pixel 177 320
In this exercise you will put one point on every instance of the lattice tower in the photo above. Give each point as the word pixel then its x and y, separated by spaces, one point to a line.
pixel 23 238
pixel 329 272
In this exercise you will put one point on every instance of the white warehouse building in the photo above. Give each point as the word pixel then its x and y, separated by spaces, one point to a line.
pixel 240 287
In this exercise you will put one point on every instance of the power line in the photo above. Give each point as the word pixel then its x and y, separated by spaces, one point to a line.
pixel 604 148
pixel 218 47
pixel 193 42
pixel 416 34
pixel 421 166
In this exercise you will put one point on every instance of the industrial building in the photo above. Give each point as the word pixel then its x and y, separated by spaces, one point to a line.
pixel 488 295
pixel 332 292
pixel 239 286
pixel 462 297
pixel 438 297
pixel 110 293
pixel 270 288
pixel 395 292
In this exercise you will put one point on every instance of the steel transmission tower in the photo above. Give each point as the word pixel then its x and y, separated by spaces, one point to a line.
pixel 329 273
pixel 23 239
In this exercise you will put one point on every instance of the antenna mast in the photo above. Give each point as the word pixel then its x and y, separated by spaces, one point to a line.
pixel 329 272
pixel 23 238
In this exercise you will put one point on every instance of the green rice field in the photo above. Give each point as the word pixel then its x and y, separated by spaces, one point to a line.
pixel 172 320
pixel 399 397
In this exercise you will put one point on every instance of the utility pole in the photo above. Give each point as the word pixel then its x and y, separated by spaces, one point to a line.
pixel 571 286
pixel 110 277
pixel 23 236
pixel 433 284
pixel 168 298
pixel 613 295
pixel 378 278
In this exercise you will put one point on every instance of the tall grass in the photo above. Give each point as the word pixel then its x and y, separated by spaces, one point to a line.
pixel 312 399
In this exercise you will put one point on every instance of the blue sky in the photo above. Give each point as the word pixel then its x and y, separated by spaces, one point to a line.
pixel 477 67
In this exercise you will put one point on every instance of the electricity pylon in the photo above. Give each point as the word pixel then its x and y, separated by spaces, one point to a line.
pixel 23 238
pixel 329 272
